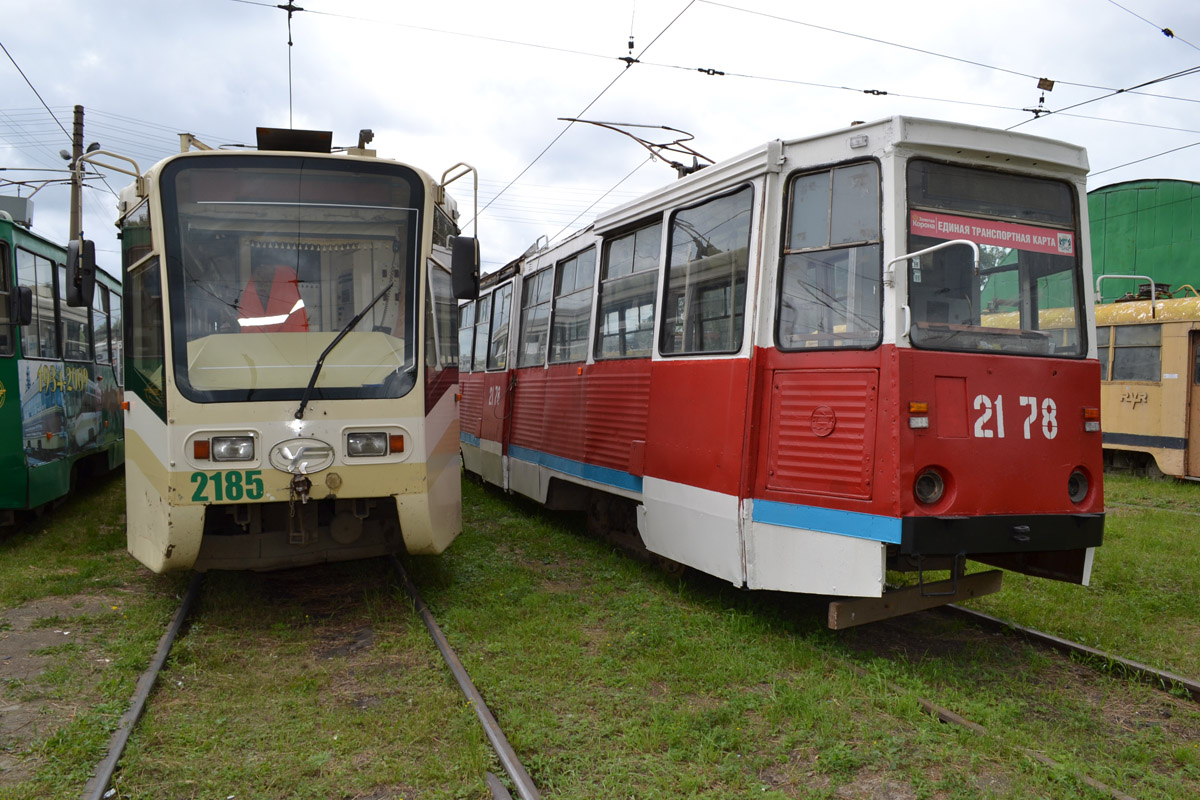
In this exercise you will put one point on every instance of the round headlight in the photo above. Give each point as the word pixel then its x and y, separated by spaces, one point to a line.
pixel 1077 486
pixel 929 487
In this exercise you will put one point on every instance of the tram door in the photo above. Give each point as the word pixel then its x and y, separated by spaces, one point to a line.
pixel 1193 423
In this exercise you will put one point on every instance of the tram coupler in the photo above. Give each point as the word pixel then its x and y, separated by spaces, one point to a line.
pixel 302 526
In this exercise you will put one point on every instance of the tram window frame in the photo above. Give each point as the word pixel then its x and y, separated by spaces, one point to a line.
pixel 537 294
pixel 500 328
pixel 1104 349
pixel 570 330
pixel 1137 353
pixel 74 333
pixel 685 324
pixel 101 316
pixel 39 339
pixel 146 333
pixel 639 265
pixel 466 336
pixel 8 333
pixel 846 230
pixel 116 327
pixel 483 319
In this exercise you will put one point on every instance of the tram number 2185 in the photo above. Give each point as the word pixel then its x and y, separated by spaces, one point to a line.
pixel 990 422
pixel 232 485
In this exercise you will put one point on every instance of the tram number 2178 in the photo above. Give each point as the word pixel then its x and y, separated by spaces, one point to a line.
pixel 990 422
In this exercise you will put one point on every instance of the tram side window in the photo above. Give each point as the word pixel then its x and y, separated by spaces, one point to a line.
pixel 1103 342
pixel 501 311
pixel 535 318
pixel 143 291
pixel 466 335
pixel 1137 353
pixel 830 284
pixel 704 298
pixel 483 316
pixel 573 307
pixel 441 316
pixel 76 331
pixel 116 334
pixel 39 339
pixel 101 325
pixel 628 276
pixel 6 301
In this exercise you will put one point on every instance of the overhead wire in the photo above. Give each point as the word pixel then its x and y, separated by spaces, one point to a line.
pixel 1170 34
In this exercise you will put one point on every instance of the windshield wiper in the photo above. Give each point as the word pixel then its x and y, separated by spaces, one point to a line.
pixel 341 335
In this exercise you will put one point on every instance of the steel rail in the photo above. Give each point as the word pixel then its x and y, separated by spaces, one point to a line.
pixel 525 787
pixel 1143 671
pixel 96 787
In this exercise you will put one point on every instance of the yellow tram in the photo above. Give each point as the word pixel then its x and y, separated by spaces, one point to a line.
pixel 1149 353
pixel 291 355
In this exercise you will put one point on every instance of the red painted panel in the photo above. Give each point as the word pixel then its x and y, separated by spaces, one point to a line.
pixel 822 432
pixel 496 402
pixel 616 408
pixel 1024 432
pixel 529 404
pixel 470 407
pixel 698 422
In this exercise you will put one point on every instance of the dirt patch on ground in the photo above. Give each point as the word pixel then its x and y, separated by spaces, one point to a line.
pixel 29 710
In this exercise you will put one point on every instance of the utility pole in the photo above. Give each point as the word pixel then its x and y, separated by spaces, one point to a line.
pixel 76 188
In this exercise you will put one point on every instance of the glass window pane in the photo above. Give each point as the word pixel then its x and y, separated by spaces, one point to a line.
pixel 855 204
pixel 466 335
pixel 1136 364
pixel 483 315
pixel 647 247
pixel 1103 335
pixel 1137 334
pixel 572 319
pixel 585 269
pixel 566 276
pixel 627 316
pixel 810 212
pixel 501 309
pixel 703 309
pixel 620 257
pixel 831 298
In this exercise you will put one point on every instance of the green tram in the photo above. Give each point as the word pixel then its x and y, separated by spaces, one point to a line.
pixel 60 375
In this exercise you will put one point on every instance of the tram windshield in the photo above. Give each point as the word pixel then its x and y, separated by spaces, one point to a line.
pixel 271 257
pixel 1025 296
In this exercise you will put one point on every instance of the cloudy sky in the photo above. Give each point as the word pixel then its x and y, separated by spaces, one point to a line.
pixel 485 82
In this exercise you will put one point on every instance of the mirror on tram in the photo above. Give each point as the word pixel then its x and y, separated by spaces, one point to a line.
pixel 464 267
pixel 81 272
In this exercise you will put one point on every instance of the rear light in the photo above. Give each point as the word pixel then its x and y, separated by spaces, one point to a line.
pixel 1091 420
pixel 918 415
pixel 201 450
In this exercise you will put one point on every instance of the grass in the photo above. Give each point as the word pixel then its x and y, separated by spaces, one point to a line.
pixel 614 680
pixel 1143 602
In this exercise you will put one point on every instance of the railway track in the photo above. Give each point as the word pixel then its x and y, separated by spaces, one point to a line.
pixel 97 788
pixel 1161 678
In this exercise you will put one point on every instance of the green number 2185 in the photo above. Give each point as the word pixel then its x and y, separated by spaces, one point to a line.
pixel 233 485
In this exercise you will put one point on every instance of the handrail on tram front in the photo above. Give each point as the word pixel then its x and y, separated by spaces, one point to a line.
pixel 1146 278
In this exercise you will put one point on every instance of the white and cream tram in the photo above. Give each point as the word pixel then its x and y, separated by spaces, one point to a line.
pixel 291 355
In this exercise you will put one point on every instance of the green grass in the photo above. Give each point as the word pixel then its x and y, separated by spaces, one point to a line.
pixel 612 679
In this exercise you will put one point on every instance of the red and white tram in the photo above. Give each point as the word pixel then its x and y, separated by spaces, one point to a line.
pixel 816 362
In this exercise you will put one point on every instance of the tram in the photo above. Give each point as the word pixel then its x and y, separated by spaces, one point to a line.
pixel 60 375
pixel 813 367
pixel 290 351
pixel 1149 349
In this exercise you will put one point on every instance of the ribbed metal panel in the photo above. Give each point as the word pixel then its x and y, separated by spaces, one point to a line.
pixel 618 407
pixel 840 404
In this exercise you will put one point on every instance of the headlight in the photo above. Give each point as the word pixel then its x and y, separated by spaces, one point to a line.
pixel 367 444
pixel 929 487
pixel 233 448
